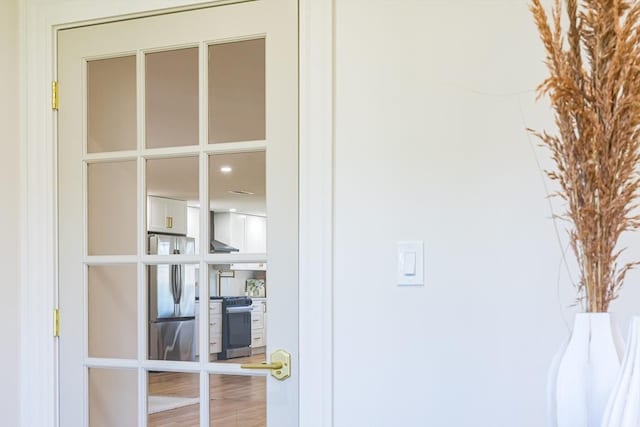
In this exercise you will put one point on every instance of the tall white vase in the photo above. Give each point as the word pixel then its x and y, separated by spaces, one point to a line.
pixel 584 372
pixel 623 408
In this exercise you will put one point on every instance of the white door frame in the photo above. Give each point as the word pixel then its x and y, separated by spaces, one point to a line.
pixel 39 22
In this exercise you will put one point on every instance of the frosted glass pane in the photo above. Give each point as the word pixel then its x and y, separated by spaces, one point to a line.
pixel 171 104
pixel 111 104
pixel 174 399
pixel 238 400
pixel 112 297
pixel 237 91
pixel 112 208
pixel 113 397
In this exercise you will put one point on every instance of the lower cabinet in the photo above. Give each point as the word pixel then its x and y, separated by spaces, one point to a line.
pixel 215 327
pixel 196 331
pixel 258 326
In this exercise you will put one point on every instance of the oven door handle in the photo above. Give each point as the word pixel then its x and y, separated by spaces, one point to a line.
pixel 244 309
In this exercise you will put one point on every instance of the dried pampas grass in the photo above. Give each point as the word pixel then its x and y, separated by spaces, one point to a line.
pixel 594 89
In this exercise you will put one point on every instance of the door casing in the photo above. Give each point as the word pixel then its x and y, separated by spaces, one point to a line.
pixel 39 24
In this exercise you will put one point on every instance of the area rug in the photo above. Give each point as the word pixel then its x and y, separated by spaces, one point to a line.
pixel 167 403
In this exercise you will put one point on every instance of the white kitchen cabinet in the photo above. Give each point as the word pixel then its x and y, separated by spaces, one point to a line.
pixel 215 327
pixel 166 215
pixel 229 228
pixel 256 234
pixel 193 224
pixel 247 233
pixel 258 326
pixel 215 345
pixel 196 330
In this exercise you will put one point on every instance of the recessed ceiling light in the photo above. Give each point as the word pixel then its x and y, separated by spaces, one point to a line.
pixel 232 210
pixel 225 169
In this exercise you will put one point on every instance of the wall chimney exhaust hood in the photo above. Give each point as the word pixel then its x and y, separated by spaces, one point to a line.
pixel 217 247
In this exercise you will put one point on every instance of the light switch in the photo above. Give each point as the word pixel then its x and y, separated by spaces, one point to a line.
pixel 411 263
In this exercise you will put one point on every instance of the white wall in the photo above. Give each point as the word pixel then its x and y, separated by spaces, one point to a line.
pixel 430 145
pixel 9 228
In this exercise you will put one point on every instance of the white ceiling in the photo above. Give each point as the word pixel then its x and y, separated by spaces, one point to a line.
pixel 248 174
pixel 178 178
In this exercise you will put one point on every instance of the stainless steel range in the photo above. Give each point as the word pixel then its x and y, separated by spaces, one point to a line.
pixel 236 327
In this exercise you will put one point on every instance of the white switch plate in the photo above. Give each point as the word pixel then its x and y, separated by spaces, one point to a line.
pixel 411 263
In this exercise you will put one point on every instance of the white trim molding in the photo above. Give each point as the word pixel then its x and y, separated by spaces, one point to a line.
pixel 39 21
pixel 37 294
pixel 316 212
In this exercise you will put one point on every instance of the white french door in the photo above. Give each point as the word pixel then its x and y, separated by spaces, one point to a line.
pixel 182 126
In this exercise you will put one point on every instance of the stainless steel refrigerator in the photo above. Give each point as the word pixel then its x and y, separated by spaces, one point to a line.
pixel 172 298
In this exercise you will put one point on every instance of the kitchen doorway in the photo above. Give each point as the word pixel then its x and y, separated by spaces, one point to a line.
pixel 177 153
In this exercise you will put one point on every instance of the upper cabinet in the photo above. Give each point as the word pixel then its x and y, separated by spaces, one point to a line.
pixel 256 234
pixel 229 228
pixel 166 215
pixel 247 233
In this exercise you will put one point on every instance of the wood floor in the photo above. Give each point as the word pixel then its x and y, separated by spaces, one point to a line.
pixel 235 400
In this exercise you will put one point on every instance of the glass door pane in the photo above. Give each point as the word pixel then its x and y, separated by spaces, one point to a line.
pixel 111 104
pixel 113 397
pixel 173 399
pixel 237 91
pixel 172 187
pixel 112 208
pixel 171 98
pixel 237 401
pixel 238 202
pixel 112 310
pixel 237 330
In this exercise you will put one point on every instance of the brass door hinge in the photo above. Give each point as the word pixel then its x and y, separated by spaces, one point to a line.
pixel 56 322
pixel 55 96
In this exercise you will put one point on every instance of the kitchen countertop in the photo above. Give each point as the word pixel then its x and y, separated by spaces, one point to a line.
pixel 211 298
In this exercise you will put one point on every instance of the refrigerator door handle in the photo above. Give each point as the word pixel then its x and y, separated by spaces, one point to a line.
pixel 179 286
pixel 172 284
pixel 176 285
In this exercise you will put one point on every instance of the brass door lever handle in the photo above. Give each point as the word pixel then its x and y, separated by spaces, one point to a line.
pixel 280 365
pixel 263 365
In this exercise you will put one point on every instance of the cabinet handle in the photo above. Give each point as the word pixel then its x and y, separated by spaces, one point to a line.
pixel 169 222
